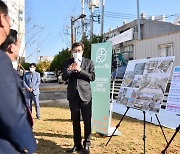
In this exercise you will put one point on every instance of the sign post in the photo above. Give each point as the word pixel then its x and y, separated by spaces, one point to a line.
pixel 101 54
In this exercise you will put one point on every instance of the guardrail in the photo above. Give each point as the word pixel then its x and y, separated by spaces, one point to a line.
pixel 117 84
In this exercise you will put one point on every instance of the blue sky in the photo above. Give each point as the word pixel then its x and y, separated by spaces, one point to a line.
pixel 48 21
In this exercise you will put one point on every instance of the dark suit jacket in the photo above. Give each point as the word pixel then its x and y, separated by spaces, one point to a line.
pixel 79 81
pixel 15 127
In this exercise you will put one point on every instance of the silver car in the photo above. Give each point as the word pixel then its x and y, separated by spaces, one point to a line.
pixel 48 77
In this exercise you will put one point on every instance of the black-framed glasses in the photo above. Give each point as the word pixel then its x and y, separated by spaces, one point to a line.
pixel 77 51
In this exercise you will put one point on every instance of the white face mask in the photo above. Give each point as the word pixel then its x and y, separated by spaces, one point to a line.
pixel 32 70
pixel 15 64
pixel 77 55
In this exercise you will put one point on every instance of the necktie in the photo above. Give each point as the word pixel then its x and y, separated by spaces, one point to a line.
pixel 31 77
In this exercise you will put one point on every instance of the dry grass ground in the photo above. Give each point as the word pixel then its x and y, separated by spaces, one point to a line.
pixel 54 133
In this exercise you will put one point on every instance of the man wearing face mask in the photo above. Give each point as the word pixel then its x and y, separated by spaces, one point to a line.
pixel 31 81
pixel 16 134
pixel 79 72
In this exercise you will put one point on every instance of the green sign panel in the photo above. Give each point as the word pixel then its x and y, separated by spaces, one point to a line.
pixel 101 54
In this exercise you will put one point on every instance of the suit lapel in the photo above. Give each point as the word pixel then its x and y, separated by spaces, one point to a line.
pixel 21 95
pixel 83 63
pixel 29 77
pixel 19 84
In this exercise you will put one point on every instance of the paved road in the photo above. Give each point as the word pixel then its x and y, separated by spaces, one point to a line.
pixel 52 85
pixel 52 91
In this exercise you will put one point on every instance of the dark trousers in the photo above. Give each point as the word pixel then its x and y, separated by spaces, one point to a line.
pixel 77 105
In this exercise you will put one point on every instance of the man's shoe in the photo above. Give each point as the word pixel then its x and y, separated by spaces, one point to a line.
pixel 39 118
pixel 74 149
pixel 86 150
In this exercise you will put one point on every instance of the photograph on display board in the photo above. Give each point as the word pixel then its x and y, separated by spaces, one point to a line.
pixel 145 82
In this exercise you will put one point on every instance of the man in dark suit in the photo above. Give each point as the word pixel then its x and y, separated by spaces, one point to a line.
pixel 79 72
pixel 31 81
pixel 16 134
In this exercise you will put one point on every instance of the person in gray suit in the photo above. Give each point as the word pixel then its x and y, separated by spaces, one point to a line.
pixel 31 81
pixel 79 72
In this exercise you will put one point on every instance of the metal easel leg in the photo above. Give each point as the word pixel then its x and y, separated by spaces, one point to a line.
pixel 144 135
pixel 117 125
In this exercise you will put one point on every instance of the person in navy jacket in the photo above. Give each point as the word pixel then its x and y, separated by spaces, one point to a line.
pixel 16 134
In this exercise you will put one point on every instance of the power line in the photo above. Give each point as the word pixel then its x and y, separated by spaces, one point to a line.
pixel 120 14
pixel 130 16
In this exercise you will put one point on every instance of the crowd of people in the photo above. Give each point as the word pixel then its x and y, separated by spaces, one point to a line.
pixel 16 122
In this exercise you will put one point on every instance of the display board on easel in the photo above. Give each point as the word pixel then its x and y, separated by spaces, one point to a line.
pixel 143 87
pixel 144 83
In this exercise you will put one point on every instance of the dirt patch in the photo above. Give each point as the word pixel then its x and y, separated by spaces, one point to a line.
pixel 54 133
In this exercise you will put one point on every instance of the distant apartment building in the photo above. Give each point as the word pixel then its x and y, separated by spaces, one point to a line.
pixel 46 58
pixel 17 15
pixel 153 27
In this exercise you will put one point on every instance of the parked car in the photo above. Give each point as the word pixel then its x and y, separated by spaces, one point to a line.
pixel 48 77
pixel 60 80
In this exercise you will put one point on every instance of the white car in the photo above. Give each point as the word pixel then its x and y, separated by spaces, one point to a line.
pixel 60 80
pixel 48 77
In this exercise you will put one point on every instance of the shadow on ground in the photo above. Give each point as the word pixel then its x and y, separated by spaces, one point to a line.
pixel 40 134
pixel 48 147
pixel 59 120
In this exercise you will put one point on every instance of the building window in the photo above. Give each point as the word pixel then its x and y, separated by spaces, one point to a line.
pixel 20 12
pixel 166 49
pixel 129 48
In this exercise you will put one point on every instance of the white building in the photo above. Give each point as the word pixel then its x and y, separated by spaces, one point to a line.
pixel 159 46
pixel 46 58
pixel 126 35
pixel 17 15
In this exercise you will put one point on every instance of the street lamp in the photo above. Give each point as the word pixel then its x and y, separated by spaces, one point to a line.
pixel 73 20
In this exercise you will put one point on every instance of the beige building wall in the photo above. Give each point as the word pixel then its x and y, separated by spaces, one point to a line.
pixel 163 45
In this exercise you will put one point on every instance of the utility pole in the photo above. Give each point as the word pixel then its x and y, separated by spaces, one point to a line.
pixel 138 21
pixel 92 5
pixel 73 20
pixel 82 21
pixel 92 20
pixel 102 18
pixel 72 31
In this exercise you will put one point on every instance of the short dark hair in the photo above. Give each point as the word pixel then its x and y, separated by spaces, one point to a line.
pixel 32 64
pixel 3 8
pixel 131 58
pixel 11 39
pixel 76 44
